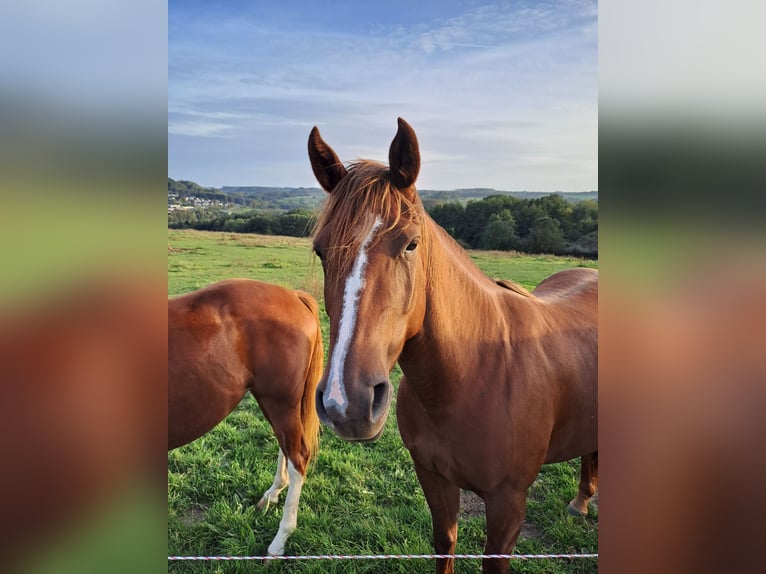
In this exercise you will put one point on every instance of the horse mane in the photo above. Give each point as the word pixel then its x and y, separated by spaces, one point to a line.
pixel 365 192
pixel 515 287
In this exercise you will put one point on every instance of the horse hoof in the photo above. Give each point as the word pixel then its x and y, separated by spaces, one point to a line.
pixel 576 511
pixel 276 549
pixel 266 501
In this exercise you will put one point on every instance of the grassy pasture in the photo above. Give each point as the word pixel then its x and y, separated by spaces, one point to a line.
pixel 358 498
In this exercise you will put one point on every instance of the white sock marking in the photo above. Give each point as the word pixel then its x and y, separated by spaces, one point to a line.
pixel 336 391
pixel 290 513
pixel 281 480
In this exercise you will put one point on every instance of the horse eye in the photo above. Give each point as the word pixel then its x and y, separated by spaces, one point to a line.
pixel 412 246
pixel 319 253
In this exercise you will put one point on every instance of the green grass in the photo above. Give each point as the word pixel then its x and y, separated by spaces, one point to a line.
pixel 358 498
pixel 528 270
pixel 198 258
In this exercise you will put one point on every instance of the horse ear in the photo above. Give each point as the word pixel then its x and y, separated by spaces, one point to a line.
pixel 327 168
pixel 404 157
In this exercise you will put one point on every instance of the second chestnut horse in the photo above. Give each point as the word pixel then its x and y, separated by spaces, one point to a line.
pixel 243 335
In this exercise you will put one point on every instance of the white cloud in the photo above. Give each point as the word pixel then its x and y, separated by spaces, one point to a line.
pixel 198 129
pixel 478 87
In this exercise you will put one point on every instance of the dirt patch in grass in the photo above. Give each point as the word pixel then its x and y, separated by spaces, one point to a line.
pixel 529 531
pixel 192 516
pixel 471 506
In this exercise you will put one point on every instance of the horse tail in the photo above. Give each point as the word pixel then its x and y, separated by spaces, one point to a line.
pixel 309 418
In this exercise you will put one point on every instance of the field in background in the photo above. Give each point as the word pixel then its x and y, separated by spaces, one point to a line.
pixel 358 498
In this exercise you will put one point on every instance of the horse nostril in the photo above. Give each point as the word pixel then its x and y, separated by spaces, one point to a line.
pixel 319 404
pixel 380 394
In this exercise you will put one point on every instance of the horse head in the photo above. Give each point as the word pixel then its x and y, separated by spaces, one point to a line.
pixel 370 238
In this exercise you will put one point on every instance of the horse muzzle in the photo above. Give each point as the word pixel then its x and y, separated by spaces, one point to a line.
pixel 362 415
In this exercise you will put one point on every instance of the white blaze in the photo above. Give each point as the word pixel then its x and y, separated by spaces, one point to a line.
pixel 336 392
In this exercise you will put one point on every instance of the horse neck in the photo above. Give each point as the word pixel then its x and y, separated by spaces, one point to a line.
pixel 457 291
pixel 464 308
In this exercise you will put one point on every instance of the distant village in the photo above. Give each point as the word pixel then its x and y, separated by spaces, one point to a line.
pixel 176 203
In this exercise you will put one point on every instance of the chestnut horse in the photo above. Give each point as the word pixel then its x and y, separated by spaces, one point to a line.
pixel 240 335
pixel 497 380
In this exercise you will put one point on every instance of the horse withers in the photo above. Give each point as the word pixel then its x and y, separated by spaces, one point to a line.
pixel 497 380
pixel 240 335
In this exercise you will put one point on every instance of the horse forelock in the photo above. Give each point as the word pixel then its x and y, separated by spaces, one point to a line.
pixel 350 211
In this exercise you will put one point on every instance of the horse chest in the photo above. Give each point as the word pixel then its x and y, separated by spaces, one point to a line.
pixel 453 447
pixel 476 445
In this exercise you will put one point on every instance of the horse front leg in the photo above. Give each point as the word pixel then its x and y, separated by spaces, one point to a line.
pixel 588 485
pixel 506 508
pixel 443 499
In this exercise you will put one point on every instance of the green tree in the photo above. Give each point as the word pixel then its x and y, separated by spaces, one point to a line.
pixel 500 232
pixel 295 224
pixel 449 215
pixel 585 217
pixel 477 214
pixel 546 236
pixel 234 225
pixel 586 245
pixel 526 214
pixel 558 208
pixel 262 223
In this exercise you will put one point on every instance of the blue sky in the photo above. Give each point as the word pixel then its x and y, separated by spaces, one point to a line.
pixel 501 94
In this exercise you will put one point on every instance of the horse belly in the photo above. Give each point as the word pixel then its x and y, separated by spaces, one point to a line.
pixel 570 388
pixel 580 440
pixel 203 387
pixel 576 430
pixel 197 409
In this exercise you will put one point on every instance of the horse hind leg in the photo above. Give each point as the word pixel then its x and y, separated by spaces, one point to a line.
pixel 289 520
pixel 285 421
pixel 588 485
pixel 283 413
pixel 281 481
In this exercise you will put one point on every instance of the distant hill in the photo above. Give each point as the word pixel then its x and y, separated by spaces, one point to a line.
pixel 433 197
pixel 291 198
pixel 280 198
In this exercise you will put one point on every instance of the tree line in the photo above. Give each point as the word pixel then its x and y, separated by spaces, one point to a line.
pixel 295 223
pixel 548 224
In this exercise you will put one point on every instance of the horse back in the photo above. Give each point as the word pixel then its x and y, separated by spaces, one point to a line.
pixel 245 300
pixel 571 295
pixel 253 317
pixel 245 323
pixel 579 282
